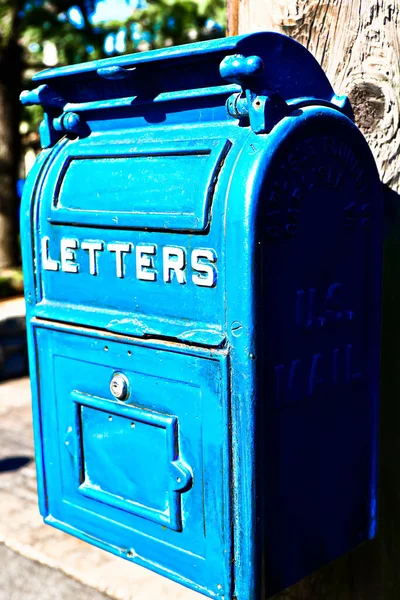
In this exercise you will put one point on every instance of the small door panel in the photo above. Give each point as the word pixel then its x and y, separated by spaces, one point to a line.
pixel 110 435
pixel 129 474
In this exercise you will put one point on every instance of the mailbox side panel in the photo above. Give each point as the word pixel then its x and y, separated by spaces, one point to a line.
pixel 32 188
pixel 319 282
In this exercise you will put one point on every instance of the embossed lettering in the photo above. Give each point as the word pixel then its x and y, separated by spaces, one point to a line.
pixel 335 358
pixel 303 379
pixel 48 263
pixel 92 248
pixel 144 263
pixel 67 248
pixel 288 384
pixel 342 151
pixel 305 308
pixel 314 164
pixel 205 275
pixel 330 175
pixel 315 377
pixel 174 261
pixel 318 309
pixel 199 265
pixel 120 250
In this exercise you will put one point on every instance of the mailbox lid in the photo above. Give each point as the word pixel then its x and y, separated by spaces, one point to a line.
pixel 174 85
pixel 146 478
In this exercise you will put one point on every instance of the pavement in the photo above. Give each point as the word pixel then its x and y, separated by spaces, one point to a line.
pixel 13 308
pixel 38 562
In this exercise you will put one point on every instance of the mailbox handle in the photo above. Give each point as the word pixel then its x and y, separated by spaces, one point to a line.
pixel 238 67
pixel 43 95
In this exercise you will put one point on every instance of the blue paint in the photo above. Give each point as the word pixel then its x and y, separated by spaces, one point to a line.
pixel 205 221
pixel 112 436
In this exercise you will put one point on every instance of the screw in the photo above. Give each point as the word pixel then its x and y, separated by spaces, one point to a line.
pixel 237 328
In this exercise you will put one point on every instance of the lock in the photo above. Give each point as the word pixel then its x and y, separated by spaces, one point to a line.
pixel 119 386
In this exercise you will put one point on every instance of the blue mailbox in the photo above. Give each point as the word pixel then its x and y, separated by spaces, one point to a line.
pixel 202 258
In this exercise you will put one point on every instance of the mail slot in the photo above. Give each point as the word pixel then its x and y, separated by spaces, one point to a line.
pixel 202 260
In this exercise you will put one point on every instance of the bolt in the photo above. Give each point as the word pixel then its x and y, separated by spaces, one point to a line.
pixel 237 328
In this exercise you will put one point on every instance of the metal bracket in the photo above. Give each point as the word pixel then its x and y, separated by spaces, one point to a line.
pixel 263 110
pixel 43 95
pixel 54 125
pixel 71 123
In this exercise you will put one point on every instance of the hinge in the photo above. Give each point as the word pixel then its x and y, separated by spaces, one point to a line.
pixel 55 122
pixel 262 108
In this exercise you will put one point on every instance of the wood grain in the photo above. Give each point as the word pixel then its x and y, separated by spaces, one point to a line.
pixel 357 44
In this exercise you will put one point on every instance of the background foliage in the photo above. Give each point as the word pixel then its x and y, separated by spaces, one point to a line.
pixel 35 34
pixel 153 24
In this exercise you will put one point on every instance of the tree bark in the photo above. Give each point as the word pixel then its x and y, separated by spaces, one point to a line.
pixel 10 87
pixel 357 44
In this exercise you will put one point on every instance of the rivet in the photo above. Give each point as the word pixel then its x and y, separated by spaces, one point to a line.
pixel 237 328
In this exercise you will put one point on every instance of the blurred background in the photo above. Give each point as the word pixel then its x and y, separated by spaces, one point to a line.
pixel 38 34
pixel 38 562
pixel 358 45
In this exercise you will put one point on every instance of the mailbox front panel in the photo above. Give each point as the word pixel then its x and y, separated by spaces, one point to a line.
pixel 145 476
pixel 129 224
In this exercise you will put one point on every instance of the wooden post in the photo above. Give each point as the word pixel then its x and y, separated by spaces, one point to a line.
pixel 357 44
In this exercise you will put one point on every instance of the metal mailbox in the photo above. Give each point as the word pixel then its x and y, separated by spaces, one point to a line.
pixel 202 260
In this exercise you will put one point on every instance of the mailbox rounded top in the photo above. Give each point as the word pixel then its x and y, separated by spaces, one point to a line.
pixel 267 42
pixel 272 62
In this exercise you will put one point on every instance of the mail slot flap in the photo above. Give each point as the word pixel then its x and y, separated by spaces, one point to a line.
pixel 131 186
